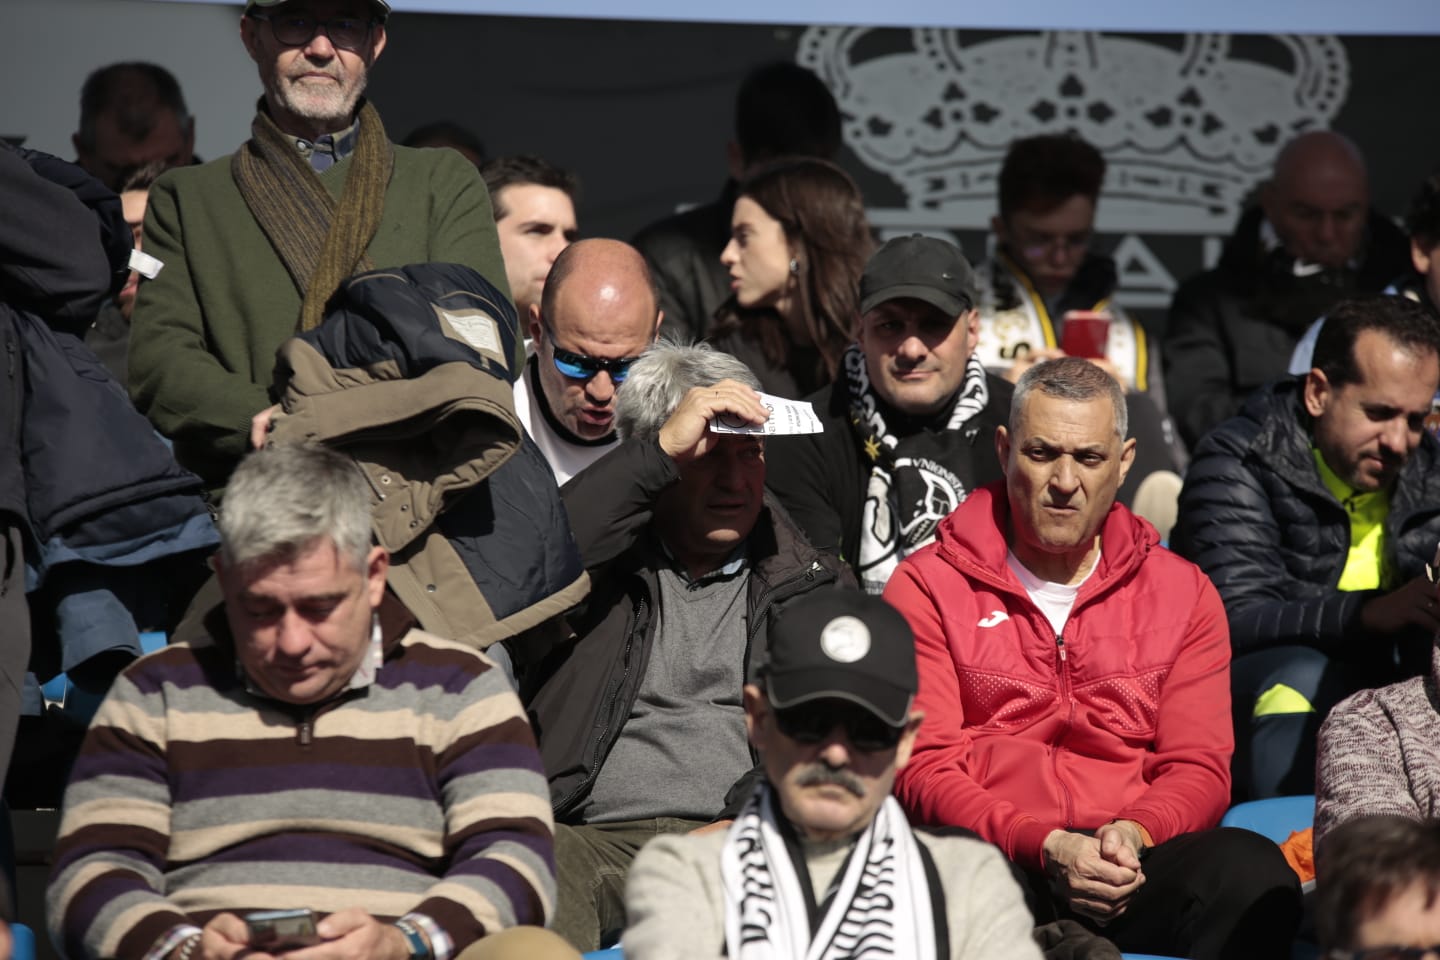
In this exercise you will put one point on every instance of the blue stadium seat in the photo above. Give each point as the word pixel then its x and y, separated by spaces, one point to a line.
pixel 610 953
pixel 1276 818
pixel 24 938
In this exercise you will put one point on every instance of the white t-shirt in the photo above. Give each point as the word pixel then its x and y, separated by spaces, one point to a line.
pixel 1055 600
pixel 566 454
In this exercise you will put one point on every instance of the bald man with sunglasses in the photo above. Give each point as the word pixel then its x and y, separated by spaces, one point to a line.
pixel 598 313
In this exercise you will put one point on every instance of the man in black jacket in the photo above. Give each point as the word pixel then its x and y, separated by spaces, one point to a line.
pixel 1311 242
pixel 781 110
pixel 910 423
pixel 641 718
pixel 1316 512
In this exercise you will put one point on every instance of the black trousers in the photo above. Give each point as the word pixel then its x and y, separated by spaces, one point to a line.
pixel 1223 894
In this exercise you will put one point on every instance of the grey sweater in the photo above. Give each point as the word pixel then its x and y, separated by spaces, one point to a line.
pixel 1379 752
pixel 675 899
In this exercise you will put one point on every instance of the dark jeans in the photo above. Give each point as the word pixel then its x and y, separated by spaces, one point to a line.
pixel 1275 752
pixel 591 863
pixel 1223 894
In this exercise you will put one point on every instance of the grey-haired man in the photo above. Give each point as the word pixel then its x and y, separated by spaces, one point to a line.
pixel 909 423
pixel 820 837
pixel 640 719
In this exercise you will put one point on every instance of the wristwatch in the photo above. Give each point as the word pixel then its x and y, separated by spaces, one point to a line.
pixel 419 946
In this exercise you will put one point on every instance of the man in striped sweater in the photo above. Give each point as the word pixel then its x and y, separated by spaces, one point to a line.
pixel 314 751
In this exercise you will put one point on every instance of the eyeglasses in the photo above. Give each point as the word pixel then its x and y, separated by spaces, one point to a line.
pixel 578 366
pixel 296 30
pixel 813 722
pixel 1035 247
pixel 1385 953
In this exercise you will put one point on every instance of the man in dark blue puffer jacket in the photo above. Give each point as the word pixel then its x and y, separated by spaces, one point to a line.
pixel 1316 512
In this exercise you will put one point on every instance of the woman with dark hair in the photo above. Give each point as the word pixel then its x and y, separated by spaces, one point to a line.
pixel 798 243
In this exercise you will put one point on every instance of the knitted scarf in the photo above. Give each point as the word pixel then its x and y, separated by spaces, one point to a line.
pixel 881 905
pixel 911 488
pixel 319 241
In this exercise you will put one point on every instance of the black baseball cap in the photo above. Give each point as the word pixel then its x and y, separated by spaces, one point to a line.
pixel 382 9
pixel 846 645
pixel 922 268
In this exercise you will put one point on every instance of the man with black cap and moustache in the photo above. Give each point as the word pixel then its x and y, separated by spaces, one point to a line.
pixel 253 245
pixel 821 857
pixel 909 425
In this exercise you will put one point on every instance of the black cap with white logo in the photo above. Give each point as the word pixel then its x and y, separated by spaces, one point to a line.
pixel 846 645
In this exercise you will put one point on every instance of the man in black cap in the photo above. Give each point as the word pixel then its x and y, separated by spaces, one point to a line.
pixel 832 719
pixel 254 245
pixel 909 426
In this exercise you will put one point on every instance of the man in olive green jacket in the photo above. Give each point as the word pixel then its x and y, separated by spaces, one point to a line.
pixel 253 245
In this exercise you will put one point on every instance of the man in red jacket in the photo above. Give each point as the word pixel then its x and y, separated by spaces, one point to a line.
pixel 1075 681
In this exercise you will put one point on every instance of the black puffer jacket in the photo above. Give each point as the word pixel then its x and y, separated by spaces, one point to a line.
pixel 587 689
pixel 1256 517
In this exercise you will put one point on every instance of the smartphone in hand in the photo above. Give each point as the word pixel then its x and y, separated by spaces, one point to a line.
pixel 1085 333
pixel 275 931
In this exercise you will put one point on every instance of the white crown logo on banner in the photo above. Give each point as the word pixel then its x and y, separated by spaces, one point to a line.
pixel 1187 128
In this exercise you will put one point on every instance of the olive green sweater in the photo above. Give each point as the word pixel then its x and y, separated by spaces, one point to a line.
pixel 205 330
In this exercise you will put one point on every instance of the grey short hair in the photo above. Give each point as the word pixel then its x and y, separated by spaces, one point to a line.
pixel 1071 378
pixel 285 498
pixel 659 380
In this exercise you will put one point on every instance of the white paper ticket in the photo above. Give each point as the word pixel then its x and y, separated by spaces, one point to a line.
pixel 787 418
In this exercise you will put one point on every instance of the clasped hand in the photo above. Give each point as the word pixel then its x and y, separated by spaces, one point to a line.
pixel 1096 876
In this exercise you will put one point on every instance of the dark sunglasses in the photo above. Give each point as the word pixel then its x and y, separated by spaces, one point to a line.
pixel 296 30
pixel 1385 953
pixel 577 366
pixel 814 721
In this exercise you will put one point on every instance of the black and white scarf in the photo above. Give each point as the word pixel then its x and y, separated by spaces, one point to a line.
pixel 881 906
pixel 911 487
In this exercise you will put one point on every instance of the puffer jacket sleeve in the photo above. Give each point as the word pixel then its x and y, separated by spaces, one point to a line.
pixel 1228 527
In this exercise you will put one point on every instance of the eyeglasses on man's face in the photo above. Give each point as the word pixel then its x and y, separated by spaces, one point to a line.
pixel 1386 953
pixel 1038 246
pixel 297 29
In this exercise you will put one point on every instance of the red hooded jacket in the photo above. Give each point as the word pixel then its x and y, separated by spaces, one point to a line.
pixel 1127 718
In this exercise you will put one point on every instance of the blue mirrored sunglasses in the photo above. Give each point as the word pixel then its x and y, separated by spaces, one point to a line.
pixel 577 366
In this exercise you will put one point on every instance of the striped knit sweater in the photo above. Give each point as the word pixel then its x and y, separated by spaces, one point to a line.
pixel 422 793
pixel 1379 752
